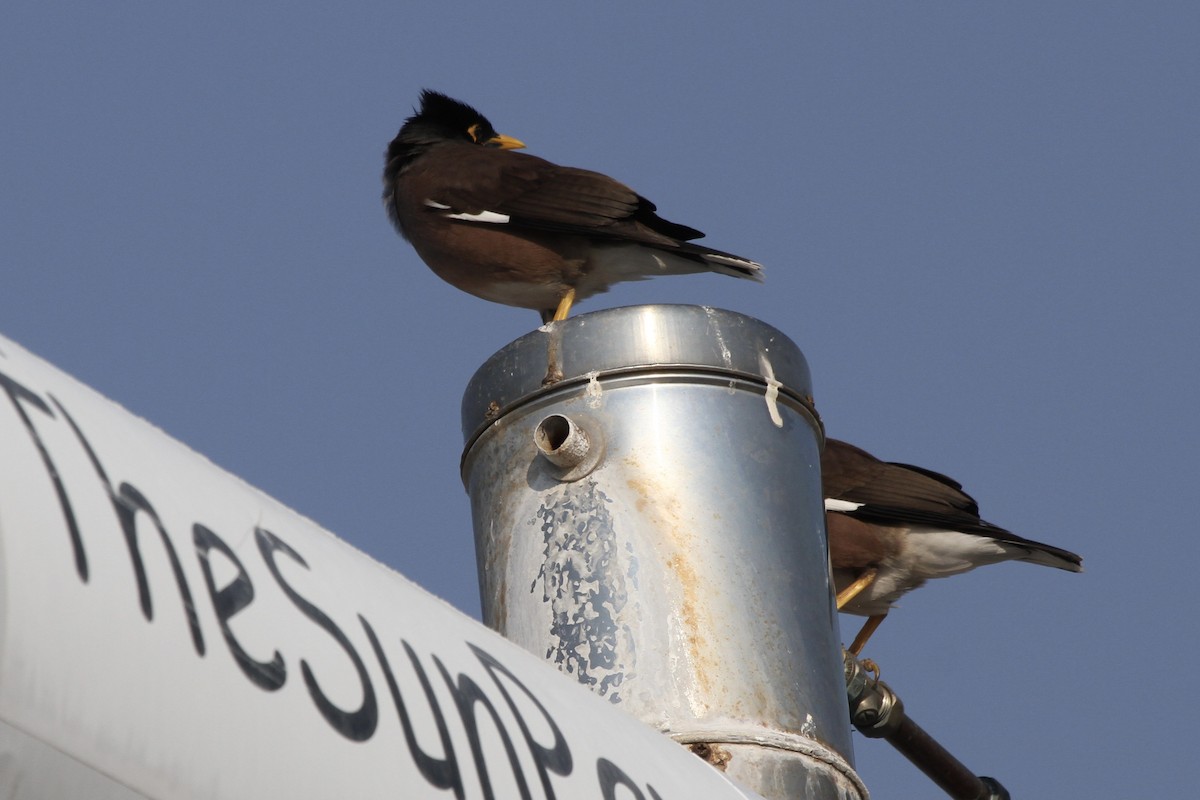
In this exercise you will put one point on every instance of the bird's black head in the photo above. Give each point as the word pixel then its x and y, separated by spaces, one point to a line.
pixel 446 118
pixel 442 119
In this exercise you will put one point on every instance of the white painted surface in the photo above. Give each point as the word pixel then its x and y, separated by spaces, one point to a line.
pixel 92 686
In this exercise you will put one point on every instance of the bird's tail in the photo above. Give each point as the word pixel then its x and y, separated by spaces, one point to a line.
pixel 635 262
pixel 1049 556
pixel 722 262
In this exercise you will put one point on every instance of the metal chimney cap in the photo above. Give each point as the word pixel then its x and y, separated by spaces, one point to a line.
pixel 620 341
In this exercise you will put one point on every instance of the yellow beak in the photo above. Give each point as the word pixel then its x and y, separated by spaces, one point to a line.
pixel 504 142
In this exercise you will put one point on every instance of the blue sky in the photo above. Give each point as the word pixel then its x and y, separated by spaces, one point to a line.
pixel 979 222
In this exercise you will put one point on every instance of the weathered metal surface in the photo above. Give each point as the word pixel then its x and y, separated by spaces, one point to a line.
pixel 684 575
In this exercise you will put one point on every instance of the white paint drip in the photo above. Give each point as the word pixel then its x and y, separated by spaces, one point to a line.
pixel 593 394
pixel 772 395
pixel 726 356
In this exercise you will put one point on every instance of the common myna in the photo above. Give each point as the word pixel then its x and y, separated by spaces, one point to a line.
pixel 893 526
pixel 516 229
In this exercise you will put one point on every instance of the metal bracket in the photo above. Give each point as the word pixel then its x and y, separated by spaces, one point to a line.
pixel 878 713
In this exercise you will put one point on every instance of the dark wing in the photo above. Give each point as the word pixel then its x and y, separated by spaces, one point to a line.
pixel 897 494
pixel 890 493
pixel 852 474
pixel 535 193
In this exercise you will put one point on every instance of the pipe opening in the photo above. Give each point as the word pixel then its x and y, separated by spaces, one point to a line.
pixel 552 433
pixel 562 441
pixel 565 443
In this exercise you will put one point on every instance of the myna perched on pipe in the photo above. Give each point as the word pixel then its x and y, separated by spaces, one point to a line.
pixel 519 230
pixel 894 526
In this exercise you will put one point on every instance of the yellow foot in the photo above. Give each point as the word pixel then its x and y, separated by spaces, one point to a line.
pixel 869 627
pixel 564 305
pixel 855 589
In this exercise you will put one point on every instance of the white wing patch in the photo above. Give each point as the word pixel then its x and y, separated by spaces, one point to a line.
pixel 841 505
pixel 483 216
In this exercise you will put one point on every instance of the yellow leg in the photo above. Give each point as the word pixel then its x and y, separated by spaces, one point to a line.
pixel 564 305
pixel 855 589
pixel 865 633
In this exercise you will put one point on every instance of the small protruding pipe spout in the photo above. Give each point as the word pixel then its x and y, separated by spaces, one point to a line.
pixel 563 442
pixel 572 446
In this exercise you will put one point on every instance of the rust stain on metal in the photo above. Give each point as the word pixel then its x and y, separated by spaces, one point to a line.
pixel 554 369
pixel 657 503
pixel 691 613
pixel 714 754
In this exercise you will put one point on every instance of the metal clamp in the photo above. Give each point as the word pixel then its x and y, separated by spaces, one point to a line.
pixel 878 713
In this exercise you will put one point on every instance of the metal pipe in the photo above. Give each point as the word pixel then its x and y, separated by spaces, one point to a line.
pixel 878 713
pixel 646 498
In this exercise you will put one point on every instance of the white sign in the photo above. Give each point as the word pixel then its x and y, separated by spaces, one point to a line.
pixel 167 631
